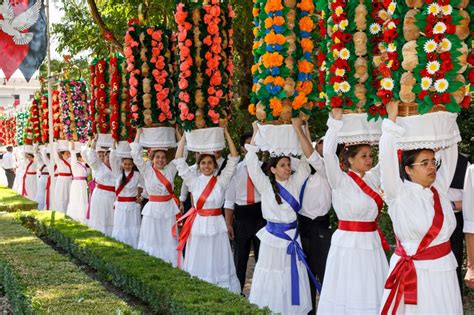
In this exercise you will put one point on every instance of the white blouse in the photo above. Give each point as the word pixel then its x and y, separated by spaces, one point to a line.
pixel 131 189
pixel 237 191
pixel 61 166
pixel 196 183
pixel 411 206
pixel 152 184
pixel 468 201
pixel 102 174
pixel 79 169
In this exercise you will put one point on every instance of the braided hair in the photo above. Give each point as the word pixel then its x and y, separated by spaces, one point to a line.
pixel 272 162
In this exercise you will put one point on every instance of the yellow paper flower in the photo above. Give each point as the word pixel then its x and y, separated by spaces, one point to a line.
pixel 391 8
pixel 344 54
pixel 345 86
pixel 432 67
pixel 339 10
pixel 340 72
pixel 374 28
pixel 447 9
pixel 433 9
pixel 445 45
pixel 336 86
pixel 387 84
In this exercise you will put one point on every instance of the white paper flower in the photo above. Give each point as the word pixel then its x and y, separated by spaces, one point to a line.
pixel 391 8
pixel 441 85
pixel 344 54
pixel 374 28
pixel 345 86
pixel 339 10
pixel 447 9
pixel 387 84
pixel 336 86
pixel 432 67
pixel 434 9
pixel 445 45
pixel 439 28
pixel 383 15
pixel 430 46
pixel 426 83
pixel 343 24
pixel 391 47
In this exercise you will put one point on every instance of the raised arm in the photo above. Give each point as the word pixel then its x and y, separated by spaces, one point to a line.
pixel 388 156
pixel 138 157
pixel 115 162
pixel 54 153
pixel 304 140
pixel 331 160
pixel 444 176
pixel 232 149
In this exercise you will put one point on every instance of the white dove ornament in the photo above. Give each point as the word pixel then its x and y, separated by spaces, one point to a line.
pixel 15 25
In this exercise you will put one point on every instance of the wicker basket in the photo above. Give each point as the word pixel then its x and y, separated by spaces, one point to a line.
pixel 357 110
pixel 411 109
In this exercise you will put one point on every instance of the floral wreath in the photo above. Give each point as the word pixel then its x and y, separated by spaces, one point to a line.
pixel 283 69
pixel 204 63
pixel 437 52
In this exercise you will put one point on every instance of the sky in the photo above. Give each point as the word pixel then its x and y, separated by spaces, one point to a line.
pixel 56 15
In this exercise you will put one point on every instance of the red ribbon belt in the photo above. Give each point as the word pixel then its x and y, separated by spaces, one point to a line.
pixel 23 190
pixel 45 173
pixel 65 174
pixel 402 280
pixel 156 198
pixel 357 226
pixel 378 200
pixel 79 178
pixel 105 187
pixel 190 216
pixel 48 187
pixel 127 199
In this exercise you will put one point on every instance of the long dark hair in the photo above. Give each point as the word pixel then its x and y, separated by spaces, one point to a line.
pixel 351 151
pixel 203 155
pixel 272 162
pixel 407 159
pixel 123 181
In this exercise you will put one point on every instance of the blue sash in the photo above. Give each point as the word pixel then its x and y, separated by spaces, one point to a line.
pixel 294 250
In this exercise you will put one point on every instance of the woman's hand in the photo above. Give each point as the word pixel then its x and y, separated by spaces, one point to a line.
pixel 469 278
pixel 392 110
pixel 336 113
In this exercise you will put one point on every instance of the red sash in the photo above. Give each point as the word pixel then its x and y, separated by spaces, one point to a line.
pixel 162 178
pixel 127 199
pixel 122 185
pixel 191 214
pixel 48 188
pixel 23 191
pixel 402 280
pixel 378 200
pixel 105 187
pixel 67 164
pixel 250 191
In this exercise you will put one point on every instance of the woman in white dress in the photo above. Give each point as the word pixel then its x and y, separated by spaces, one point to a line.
pixel 63 181
pixel 101 217
pixel 128 189
pixel 280 280
pixel 159 214
pixel 41 181
pixel 78 196
pixel 356 267
pixel 20 169
pixel 422 276
pixel 28 188
pixel 208 253
pixel 51 179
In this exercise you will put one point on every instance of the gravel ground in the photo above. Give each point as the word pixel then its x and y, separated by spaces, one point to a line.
pixel 5 308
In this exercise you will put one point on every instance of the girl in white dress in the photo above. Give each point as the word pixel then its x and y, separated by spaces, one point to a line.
pixel 51 179
pixel 422 276
pixel 20 169
pixel 101 217
pixel 28 188
pixel 208 253
pixel 63 180
pixel 356 267
pixel 41 181
pixel 278 283
pixel 78 197
pixel 159 214
pixel 128 189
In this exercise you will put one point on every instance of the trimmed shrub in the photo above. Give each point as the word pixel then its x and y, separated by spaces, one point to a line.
pixel 38 280
pixel 164 288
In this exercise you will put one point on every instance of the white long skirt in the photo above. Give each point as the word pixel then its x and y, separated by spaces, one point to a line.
pixel 30 186
pixel 208 254
pixel 155 232
pixel 78 201
pixel 41 191
pixel 61 193
pixel 127 219
pixel 271 282
pixel 101 217
pixel 18 182
pixel 3 177
pixel 438 288
pixel 355 274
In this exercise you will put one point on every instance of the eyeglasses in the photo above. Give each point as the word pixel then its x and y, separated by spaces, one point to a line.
pixel 426 163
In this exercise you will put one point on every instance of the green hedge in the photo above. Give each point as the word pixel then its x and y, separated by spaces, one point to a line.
pixel 38 280
pixel 10 201
pixel 164 288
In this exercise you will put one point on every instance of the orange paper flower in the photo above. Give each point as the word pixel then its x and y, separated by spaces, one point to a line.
pixel 306 24
pixel 273 5
pixel 305 66
pixel 272 59
pixel 276 106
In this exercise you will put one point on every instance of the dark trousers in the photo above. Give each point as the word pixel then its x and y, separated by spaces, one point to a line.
pixel 10 174
pixel 248 221
pixel 457 246
pixel 316 239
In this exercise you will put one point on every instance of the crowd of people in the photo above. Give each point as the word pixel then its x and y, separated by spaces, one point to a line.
pixel 278 208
